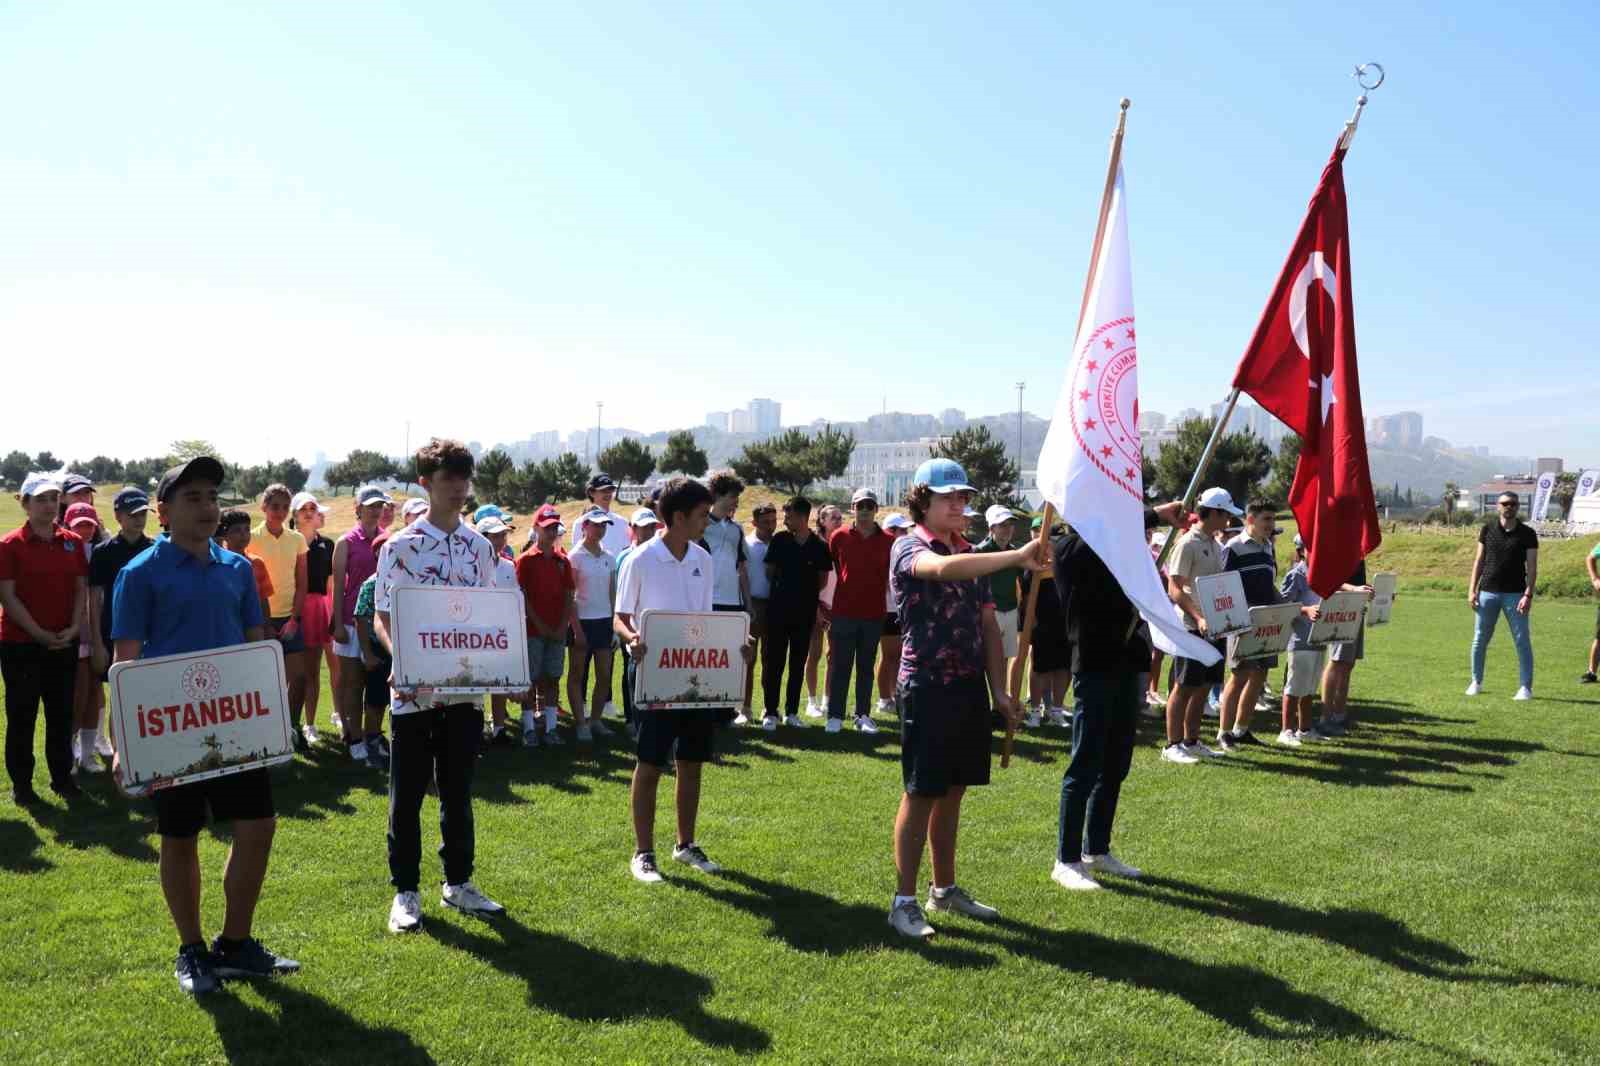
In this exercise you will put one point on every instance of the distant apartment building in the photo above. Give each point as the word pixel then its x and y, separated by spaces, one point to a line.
pixel 1151 421
pixel 739 421
pixel 1256 420
pixel 717 420
pixel 1403 430
pixel 1547 465
pixel 886 467
pixel 952 419
pixel 766 416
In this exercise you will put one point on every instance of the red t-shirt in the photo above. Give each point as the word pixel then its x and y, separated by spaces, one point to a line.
pixel 47 572
pixel 545 578
pixel 863 566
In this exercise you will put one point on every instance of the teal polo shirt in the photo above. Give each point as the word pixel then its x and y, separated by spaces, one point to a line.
pixel 175 603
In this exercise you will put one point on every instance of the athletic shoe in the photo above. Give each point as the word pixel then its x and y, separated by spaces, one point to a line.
pixel 1523 693
pixel 248 958
pixel 383 746
pixel 194 971
pixel 887 706
pixel 610 710
pixel 835 724
pixel 1154 699
pixel 530 738
pixel 1288 738
pixel 24 797
pixel 102 746
pixel 405 913
pixel 1058 716
pixel 309 731
pixel 466 897
pixel 956 901
pixel 814 710
pixel 691 854
pixel 585 735
pixel 1330 727
pixel 1074 876
pixel 501 737
pixel 336 720
pixel 1310 736
pixel 907 919
pixel 792 720
pixel 1175 753
pixel 1110 864
pixel 865 724
pixel 644 869
pixel 1032 720
pixel 358 751
pixel 1200 751
pixel 741 719
pixel 1474 688
pixel 377 759
pixel 300 745
pixel 552 738
pixel 770 723
pixel 600 729
pixel 1583 679
pixel 1227 741
pixel 1246 737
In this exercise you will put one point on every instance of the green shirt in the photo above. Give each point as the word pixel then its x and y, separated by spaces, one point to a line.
pixel 365 598
pixel 1002 583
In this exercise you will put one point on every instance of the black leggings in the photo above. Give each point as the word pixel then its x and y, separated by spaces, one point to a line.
pixel 35 675
pixel 791 638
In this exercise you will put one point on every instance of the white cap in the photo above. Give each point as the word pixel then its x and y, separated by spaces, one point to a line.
pixel 645 517
pixel 998 513
pixel 38 482
pixel 596 515
pixel 897 521
pixel 303 498
pixel 969 513
pixel 493 524
pixel 1219 499
pixel 415 505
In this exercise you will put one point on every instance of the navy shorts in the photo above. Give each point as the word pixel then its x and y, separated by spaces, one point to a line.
pixel 1192 673
pixel 377 694
pixel 291 645
pixel 944 735
pixel 691 727
pixel 891 624
pixel 242 797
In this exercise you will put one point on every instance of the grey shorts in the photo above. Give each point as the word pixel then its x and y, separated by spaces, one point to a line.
pixel 1351 651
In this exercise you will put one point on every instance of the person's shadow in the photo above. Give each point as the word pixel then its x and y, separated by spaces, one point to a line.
pixel 19 848
pixel 305 1031
pixel 102 818
pixel 589 985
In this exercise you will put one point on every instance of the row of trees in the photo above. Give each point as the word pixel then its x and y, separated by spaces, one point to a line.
pixel 104 470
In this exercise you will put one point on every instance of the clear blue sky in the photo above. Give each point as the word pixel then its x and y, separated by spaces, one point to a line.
pixel 295 227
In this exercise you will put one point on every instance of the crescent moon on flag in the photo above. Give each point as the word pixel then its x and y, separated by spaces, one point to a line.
pixel 1316 269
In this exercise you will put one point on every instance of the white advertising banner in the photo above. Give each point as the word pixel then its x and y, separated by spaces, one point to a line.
pixel 1541 497
pixel 1338 619
pixel 1588 482
pixel 1269 633
pixel 182 718
pixel 1221 598
pixel 449 640
pixel 691 659
pixel 1383 590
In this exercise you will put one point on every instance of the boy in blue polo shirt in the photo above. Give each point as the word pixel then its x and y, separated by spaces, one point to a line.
pixel 186 594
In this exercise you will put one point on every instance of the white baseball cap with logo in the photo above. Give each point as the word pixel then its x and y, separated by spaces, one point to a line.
pixel 997 513
pixel 1218 498
pixel 39 482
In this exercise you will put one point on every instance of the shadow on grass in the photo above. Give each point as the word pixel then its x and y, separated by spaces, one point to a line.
pixel 19 846
pixel 305 1029
pixel 588 985
pixel 101 818
pixel 1376 936
pixel 1355 771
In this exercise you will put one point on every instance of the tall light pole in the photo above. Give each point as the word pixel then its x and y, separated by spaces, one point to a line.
pixel 1020 386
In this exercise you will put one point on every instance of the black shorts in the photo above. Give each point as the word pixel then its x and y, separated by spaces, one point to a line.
pixel 1192 673
pixel 243 797
pixel 1051 651
pixel 891 624
pixel 377 694
pixel 944 736
pixel 691 727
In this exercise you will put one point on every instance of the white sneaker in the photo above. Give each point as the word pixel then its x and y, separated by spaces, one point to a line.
pixel 770 723
pixel 309 731
pixel 102 745
pixel 907 919
pixel 865 724
pixel 1288 738
pixel 466 897
pixel 610 710
pixel 1058 716
pixel 585 734
pixel 1031 720
pixel 813 708
pixel 1175 753
pixel 690 854
pixel 741 719
pixel 1074 876
pixel 358 751
pixel 885 706
pixel 644 869
pixel 835 724
pixel 1110 864
pixel 1523 693
pixel 1474 688
pixel 1310 736
pixel 405 913
pixel 1199 750
pixel 956 901
pixel 792 720
pixel 89 764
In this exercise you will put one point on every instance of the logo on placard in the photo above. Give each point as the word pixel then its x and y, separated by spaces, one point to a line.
pixel 1105 416
pixel 200 681
pixel 694 632
pixel 458 608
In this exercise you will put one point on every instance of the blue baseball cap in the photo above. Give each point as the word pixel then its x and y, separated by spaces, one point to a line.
pixel 488 510
pixel 942 476
pixel 131 501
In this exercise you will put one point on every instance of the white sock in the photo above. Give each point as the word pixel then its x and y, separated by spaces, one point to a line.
pixel 940 893
pixel 86 742
pixel 902 899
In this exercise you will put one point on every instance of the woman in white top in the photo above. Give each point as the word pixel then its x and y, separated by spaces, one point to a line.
pixel 594 571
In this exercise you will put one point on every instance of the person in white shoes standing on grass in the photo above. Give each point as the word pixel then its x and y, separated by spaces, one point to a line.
pixel 860 554
pixel 670 573
pixel 1305 661
pixel 763 523
pixel 950 653
pixel 594 575
pixel 434 738
pixel 724 539
pixel 497 531
pixel 645 526
pixel 1197 555
pixel 1504 573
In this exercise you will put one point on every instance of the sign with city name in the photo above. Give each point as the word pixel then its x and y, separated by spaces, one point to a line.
pixel 1221 598
pixel 1383 589
pixel 691 659
pixel 459 641
pixel 1338 619
pixel 182 718
pixel 1270 630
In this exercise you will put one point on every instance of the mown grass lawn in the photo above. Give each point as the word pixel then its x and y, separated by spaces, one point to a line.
pixel 1422 891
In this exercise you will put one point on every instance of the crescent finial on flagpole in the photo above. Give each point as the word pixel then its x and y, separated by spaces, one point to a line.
pixel 1369 76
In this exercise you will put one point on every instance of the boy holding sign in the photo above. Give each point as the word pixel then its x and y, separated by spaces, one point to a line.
pixel 188 594
pixel 1197 556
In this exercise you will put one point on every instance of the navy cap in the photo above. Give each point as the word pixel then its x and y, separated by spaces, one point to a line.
pixel 200 467
pixel 601 481
pixel 131 501
pixel 75 483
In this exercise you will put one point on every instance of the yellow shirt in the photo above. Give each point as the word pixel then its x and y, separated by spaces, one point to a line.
pixel 279 553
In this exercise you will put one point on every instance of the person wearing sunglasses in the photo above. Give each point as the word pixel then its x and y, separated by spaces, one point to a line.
pixel 1503 576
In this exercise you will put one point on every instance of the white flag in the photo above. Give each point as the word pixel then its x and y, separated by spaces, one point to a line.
pixel 1541 497
pixel 1090 464
pixel 1587 484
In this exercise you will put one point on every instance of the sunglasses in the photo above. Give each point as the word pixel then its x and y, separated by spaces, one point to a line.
pixel 1509 503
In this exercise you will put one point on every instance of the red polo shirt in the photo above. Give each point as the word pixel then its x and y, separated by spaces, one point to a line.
pixel 47 572
pixel 545 578
pixel 863 565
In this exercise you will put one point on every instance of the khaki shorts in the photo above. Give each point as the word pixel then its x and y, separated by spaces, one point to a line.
pixel 1305 672
pixel 1009 638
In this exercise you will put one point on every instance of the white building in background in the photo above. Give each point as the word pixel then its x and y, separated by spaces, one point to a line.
pixel 717 420
pixel 1151 421
pixel 885 467
pixel 766 416
pixel 952 419
pixel 740 421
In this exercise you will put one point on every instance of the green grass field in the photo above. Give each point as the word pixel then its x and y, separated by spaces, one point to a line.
pixel 1422 891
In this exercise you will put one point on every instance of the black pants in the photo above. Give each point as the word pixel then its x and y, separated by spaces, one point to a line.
pixel 443 740
pixel 34 674
pixel 1102 750
pixel 791 638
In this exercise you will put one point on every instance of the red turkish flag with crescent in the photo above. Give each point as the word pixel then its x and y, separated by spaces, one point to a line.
pixel 1301 366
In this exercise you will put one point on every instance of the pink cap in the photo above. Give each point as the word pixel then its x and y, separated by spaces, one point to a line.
pixel 82 512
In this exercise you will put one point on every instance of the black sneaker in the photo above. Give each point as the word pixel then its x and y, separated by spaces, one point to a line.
pixel 383 745
pixel 502 738
pixel 1246 737
pixel 24 797
pixel 195 971
pixel 68 789
pixel 1588 679
pixel 301 744
pixel 247 958
pixel 377 758
pixel 1227 741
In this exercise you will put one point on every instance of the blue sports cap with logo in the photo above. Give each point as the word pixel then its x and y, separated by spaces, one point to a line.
pixel 131 501
pixel 486 511
pixel 942 476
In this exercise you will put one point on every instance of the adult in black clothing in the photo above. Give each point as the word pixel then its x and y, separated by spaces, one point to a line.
pixel 1503 575
pixel 1049 652
pixel 797 568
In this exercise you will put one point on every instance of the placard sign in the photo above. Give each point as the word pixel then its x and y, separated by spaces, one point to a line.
pixel 1221 598
pixel 450 640
pixel 182 718
pixel 1270 630
pixel 1338 619
pixel 1383 589
pixel 691 659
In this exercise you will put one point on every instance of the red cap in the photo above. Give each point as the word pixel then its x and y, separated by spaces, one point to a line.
pixel 547 516
pixel 82 512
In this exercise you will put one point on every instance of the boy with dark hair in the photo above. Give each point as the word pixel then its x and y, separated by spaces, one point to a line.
pixel 434 737
pixel 233 533
pixel 763 524
pixel 1198 555
pixel 670 573
pixel 860 555
pixel 798 565
pixel 185 594
pixel 1305 662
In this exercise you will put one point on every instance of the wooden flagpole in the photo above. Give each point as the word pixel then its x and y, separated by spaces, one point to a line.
pixel 1024 642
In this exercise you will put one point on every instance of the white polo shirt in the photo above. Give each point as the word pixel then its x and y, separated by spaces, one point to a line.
pixel 755 565
pixel 651 579
pixel 505 573
pixel 591 572
pixel 724 537
pixel 616 536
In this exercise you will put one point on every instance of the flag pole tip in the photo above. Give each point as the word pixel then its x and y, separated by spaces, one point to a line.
pixel 1125 103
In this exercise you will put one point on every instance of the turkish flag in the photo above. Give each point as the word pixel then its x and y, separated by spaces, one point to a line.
pixel 1301 366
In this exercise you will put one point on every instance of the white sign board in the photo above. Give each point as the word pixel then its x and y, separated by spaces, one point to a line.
pixel 182 718
pixel 450 640
pixel 1270 630
pixel 1383 589
pixel 1338 619
pixel 691 659
pixel 1221 598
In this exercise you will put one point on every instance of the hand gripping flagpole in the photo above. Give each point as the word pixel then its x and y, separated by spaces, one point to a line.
pixel 1048 519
